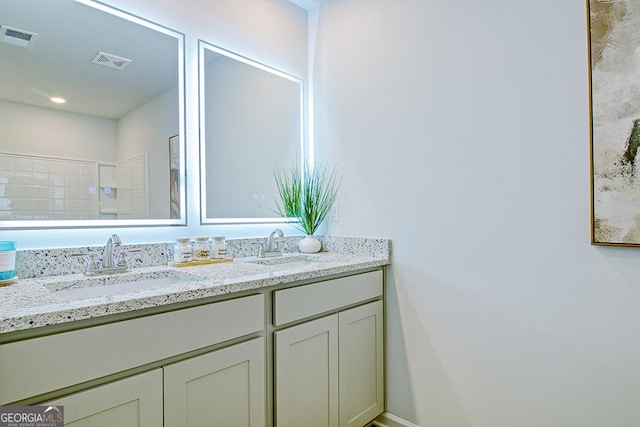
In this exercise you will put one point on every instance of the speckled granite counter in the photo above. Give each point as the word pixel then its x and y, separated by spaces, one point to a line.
pixel 33 302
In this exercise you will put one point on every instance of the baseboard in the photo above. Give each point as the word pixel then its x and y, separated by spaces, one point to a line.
pixel 390 420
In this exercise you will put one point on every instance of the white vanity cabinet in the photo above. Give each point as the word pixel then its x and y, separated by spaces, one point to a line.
pixel 191 360
pixel 222 388
pixel 329 370
pixel 360 361
pixel 300 354
pixel 225 387
pixel 306 374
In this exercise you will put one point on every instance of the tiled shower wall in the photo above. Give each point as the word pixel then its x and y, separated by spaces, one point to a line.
pixel 45 188
pixel 133 197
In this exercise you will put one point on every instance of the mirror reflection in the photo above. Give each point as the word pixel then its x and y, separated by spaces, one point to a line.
pixel 250 123
pixel 100 154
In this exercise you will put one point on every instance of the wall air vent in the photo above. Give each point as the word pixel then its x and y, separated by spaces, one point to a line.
pixel 17 37
pixel 111 61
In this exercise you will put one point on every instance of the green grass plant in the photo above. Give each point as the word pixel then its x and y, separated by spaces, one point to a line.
pixel 306 195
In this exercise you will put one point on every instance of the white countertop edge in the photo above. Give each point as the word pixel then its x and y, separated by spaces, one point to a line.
pixel 28 304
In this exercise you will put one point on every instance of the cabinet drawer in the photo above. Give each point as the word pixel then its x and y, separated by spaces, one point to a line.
pixel 69 358
pixel 309 300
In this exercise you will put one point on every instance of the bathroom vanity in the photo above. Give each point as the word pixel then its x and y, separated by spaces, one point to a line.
pixel 244 343
pixel 287 342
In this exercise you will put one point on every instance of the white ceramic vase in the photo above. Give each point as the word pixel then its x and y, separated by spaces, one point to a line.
pixel 309 245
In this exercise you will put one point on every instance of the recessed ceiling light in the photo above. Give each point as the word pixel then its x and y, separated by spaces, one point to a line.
pixel 57 100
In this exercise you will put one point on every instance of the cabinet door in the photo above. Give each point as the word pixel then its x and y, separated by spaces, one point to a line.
pixel 223 388
pixel 132 402
pixel 361 349
pixel 306 376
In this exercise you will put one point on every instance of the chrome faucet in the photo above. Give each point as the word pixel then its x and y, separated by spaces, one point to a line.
pixel 270 239
pixel 108 265
pixel 268 249
pixel 107 259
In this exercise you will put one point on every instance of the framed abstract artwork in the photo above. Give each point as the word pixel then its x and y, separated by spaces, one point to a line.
pixel 614 71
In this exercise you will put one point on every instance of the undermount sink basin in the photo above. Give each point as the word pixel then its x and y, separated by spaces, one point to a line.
pixel 286 262
pixel 104 286
pixel 279 260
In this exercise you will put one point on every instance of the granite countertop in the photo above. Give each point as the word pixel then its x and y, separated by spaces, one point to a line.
pixel 35 302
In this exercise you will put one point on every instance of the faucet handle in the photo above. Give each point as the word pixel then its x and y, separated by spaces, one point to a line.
pixel 116 240
pixel 122 259
pixel 90 266
pixel 276 244
pixel 261 248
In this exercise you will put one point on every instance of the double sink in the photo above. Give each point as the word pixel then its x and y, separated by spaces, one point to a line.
pixel 137 281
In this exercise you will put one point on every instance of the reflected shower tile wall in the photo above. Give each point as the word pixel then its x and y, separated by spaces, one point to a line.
pixel 132 187
pixel 33 187
pixel 6 188
pixel 79 194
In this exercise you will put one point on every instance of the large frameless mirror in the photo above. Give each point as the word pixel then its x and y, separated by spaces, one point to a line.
pixel 92 113
pixel 251 122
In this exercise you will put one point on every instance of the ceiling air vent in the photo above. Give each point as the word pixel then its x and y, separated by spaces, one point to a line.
pixel 111 61
pixel 17 37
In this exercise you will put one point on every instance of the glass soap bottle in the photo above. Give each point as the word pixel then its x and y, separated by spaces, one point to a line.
pixel 219 249
pixel 201 249
pixel 182 250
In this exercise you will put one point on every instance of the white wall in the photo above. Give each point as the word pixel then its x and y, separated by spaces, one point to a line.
pixel 252 125
pixel 273 32
pixel 47 132
pixel 136 136
pixel 462 130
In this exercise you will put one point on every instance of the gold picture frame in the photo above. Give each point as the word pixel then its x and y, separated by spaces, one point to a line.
pixel 614 77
